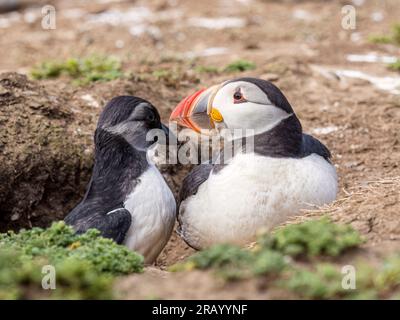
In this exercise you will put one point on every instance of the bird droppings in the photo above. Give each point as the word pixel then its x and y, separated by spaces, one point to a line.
pixel 139 29
pixel 370 57
pixel 31 16
pixel 119 44
pixel 356 37
pixel 117 17
pixel 377 16
pixel 358 2
pixel 217 23
pixel 387 83
pixel 213 51
pixel 390 84
pixel 7 20
pixel 325 130
pixel 90 100
pixel 73 13
pixel 302 15
pixel 139 20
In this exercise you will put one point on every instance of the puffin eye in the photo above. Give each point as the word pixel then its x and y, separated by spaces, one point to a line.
pixel 151 117
pixel 238 97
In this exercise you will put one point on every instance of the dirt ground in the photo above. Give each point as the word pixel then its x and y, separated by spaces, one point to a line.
pixel 299 45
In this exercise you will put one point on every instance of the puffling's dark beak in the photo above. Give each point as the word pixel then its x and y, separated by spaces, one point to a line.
pixel 166 130
pixel 196 111
pixel 170 137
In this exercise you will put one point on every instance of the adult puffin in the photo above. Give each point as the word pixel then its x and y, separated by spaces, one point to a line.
pixel 127 198
pixel 284 171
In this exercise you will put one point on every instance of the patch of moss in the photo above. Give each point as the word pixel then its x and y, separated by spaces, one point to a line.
pixel 388 278
pixel 74 279
pixel 380 39
pixel 207 69
pixel 240 66
pixel 81 70
pixel 323 282
pixel 396 33
pixel 173 77
pixel 268 262
pixel 229 261
pixel 395 66
pixel 60 242
pixel 314 280
pixel 220 256
pixel 312 238
pixel 85 264
pixel 393 37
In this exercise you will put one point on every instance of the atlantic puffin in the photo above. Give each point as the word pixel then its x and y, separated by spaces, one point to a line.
pixel 286 170
pixel 127 198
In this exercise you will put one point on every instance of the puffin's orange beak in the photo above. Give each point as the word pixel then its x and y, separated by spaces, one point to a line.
pixel 196 111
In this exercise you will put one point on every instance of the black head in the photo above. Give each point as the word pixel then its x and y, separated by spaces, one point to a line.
pixel 130 118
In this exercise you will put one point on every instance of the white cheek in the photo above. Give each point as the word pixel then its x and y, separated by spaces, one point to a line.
pixel 254 116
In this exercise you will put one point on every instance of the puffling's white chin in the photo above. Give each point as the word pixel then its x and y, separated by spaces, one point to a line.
pixel 251 119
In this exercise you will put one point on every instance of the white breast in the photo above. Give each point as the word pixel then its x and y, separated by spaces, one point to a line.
pixel 253 192
pixel 152 206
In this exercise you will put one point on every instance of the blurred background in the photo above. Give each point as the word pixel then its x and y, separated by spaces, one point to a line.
pixel 142 33
pixel 336 61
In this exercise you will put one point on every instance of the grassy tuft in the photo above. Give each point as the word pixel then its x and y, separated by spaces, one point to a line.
pixel 396 33
pixel 315 238
pixel 393 37
pixel 380 39
pixel 312 238
pixel 207 69
pixel 85 264
pixel 321 283
pixel 395 66
pixel 229 261
pixel 240 66
pixel 81 70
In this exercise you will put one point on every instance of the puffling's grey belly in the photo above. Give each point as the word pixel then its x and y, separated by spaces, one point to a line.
pixel 152 206
pixel 254 192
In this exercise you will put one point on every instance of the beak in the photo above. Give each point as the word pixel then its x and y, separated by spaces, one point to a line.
pixel 197 112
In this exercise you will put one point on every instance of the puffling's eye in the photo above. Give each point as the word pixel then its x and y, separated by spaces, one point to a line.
pixel 238 97
pixel 151 117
